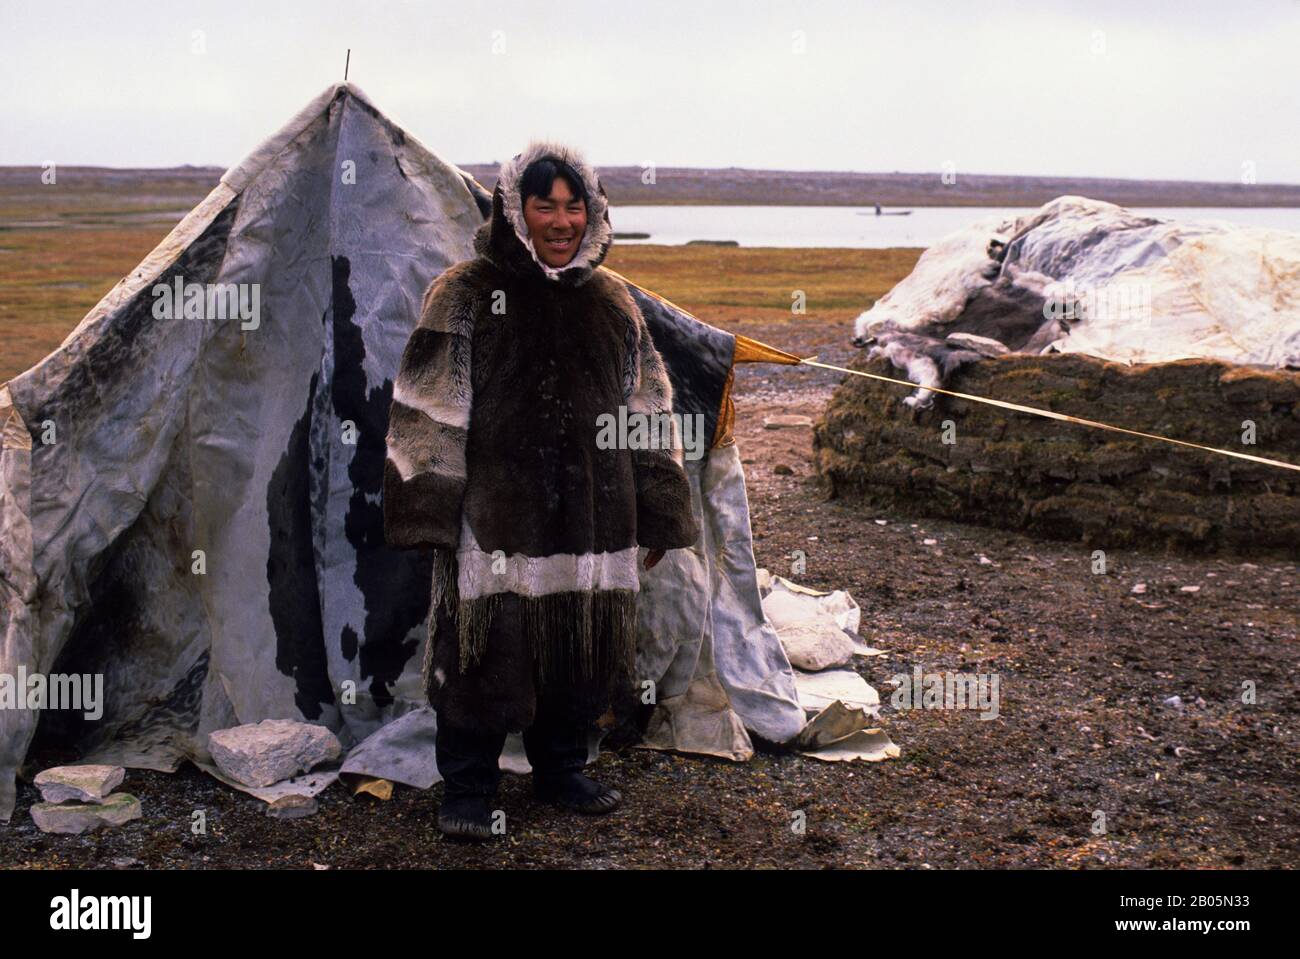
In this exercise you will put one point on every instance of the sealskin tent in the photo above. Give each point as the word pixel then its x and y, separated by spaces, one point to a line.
pixel 191 509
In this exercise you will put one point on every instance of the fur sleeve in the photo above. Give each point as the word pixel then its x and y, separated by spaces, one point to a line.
pixel 664 516
pixel 428 422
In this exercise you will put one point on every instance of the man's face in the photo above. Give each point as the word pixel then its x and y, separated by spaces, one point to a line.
pixel 556 223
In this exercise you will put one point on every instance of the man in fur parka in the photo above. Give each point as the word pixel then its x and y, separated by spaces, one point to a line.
pixel 497 461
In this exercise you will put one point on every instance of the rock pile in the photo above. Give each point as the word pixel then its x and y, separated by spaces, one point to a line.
pixel 80 799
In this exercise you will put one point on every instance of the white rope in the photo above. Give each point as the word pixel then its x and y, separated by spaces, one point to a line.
pixel 1064 417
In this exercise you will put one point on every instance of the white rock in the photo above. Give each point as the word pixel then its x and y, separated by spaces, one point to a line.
pixel 75 818
pixel 261 754
pixel 812 648
pixel 811 626
pixel 1175 701
pixel 1138 589
pixel 90 783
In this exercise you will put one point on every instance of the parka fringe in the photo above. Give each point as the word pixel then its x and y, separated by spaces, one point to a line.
pixel 445 591
pixel 444 595
pixel 574 637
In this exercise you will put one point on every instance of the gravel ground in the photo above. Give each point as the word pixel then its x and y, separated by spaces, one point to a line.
pixel 1085 667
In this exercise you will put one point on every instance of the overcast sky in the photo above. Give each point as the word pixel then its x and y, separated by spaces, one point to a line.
pixel 1171 90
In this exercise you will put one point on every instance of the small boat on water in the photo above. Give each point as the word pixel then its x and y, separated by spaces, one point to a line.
pixel 880 212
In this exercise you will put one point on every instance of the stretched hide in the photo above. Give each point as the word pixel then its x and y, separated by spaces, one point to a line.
pixel 1084 276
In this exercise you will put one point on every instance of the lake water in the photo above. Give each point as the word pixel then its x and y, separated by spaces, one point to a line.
pixel 859 227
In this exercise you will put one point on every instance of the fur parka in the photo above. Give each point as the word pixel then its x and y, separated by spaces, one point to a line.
pixel 495 461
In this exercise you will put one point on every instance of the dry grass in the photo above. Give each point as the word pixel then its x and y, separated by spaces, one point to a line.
pixel 50 278
pixel 740 289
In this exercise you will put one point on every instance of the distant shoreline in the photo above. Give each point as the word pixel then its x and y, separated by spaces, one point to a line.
pixel 732 186
pixel 698 187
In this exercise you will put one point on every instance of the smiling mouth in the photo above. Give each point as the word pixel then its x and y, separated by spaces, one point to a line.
pixel 562 243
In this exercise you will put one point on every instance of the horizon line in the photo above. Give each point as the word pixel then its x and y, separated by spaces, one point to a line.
pixel 661 167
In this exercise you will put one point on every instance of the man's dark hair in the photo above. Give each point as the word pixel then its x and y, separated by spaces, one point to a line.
pixel 540 176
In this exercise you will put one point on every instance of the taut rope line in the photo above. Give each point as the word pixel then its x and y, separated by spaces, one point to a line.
pixel 1064 417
